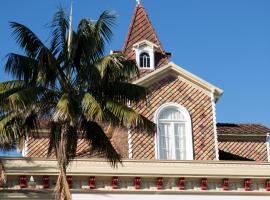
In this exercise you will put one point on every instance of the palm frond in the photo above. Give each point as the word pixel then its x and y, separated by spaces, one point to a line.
pixel 72 139
pixel 8 85
pixel 127 92
pixel 21 67
pixel 26 39
pixel 59 27
pixel 65 109
pixel 24 98
pixel 10 129
pixel 104 25
pixel 129 117
pixel 109 63
pixel 91 108
pixel 99 142
pixel 116 67
pixel 54 138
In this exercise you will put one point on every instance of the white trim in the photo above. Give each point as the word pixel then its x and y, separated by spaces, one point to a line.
pixel 129 145
pixel 179 71
pixel 189 135
pixel 213 102
pixel 148 47
pixel 268 146
pixel 129 139
pixel 145 42
pixel 25 147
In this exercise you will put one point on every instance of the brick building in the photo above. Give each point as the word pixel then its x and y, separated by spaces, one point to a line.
pixel 190 156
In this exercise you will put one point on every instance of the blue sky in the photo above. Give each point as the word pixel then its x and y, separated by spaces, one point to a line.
pixel 225 42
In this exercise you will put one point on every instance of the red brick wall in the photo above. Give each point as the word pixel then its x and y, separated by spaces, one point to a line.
pixel 197 103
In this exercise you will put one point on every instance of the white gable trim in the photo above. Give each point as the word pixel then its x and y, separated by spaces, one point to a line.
pixel 171 67
pixel 268 146
pixel 144 42
pixel 215 125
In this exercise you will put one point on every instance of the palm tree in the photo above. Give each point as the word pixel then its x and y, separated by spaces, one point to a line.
pixel 72 85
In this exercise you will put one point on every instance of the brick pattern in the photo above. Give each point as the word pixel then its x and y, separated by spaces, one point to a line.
pixel 250 150
pixel 171 89
pixel 38 147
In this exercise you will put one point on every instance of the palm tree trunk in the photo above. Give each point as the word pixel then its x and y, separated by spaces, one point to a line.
pixel 62 187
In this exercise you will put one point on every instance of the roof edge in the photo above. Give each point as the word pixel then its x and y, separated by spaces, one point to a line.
pixel 150 78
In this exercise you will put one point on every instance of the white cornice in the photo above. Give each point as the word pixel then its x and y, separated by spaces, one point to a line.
pixel 146 168
pixel 176 70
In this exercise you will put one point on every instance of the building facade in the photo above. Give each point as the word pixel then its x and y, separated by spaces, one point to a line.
pixel 190 155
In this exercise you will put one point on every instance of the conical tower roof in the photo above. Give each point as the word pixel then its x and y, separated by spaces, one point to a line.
pixel 141 29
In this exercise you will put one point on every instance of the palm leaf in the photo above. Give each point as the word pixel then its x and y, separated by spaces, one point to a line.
pixel 127 92
pixel 59 26
pixel 21 67
pixel 26 39
pixel 104 25
pixel 91 108
pixel 7 85
pixel 65 109
pixel 129 117
pixel 99 142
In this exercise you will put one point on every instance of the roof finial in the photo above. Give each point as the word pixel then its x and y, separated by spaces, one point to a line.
pixel 138 2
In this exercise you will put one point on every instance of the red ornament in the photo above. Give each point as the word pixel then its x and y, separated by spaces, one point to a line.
pixel 70 182
pixel 159 183
pixel 203 184
pixel 181 183
pixel 247 184
pixel 92 182
pixel 267 185
pixel 115 182
pixel 46 182
pixel 137 183
pixel 225 184
pixel 23 182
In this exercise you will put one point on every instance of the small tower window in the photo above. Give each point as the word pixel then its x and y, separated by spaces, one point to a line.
pixel 144 60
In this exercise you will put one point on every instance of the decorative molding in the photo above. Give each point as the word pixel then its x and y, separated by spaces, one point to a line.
pixel 213 101
pixel 25 147
pixel 179 71
pixel 268 146
pixel 127 184
pixel 140 168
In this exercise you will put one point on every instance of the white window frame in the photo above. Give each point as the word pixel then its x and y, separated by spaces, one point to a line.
pixel 188 129
pixel 148 47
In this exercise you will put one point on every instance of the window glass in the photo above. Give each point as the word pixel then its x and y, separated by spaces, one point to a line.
pixel 144 60
pixel 172 134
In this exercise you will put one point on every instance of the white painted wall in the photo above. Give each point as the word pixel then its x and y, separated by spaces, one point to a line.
pixel 164 197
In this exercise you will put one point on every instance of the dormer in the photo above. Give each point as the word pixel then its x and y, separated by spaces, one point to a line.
pixel 145 54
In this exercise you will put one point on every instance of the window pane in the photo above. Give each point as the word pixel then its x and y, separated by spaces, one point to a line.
pixel 171 114
pixel 148 62
pixel 164 140
pixel 180 146
pixel 144 60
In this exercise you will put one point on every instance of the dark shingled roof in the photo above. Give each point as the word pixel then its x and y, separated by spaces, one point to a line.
pixel 236 141
pixel 230 128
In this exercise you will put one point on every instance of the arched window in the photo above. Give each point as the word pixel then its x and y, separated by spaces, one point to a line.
pixel 174 135
pixel 144 60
